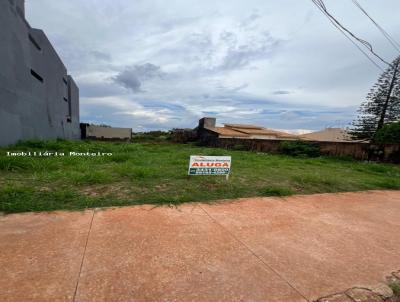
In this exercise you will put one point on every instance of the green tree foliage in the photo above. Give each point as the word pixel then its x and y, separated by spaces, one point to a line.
pixel 299 148
pixel 389 134
pixel 382 105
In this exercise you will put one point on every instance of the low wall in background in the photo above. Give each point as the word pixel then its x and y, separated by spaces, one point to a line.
pixel 356 150
pixel 105 133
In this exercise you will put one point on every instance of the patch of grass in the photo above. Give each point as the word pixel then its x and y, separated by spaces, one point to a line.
pixel 14 164
pixel 319 182
pixel 141 173
pixel 277 191
pixel 133 172
pixel 119 158
pixel 91 178
pixel 390 184
pixel 154 173
pixel 395 286
pixel 31 144
pixel 26 164
pixel 25 199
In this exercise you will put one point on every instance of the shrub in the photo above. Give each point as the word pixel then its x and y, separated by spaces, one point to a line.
pixel 395 157
pixel 299 148
pixel 152 136
pixel 277 191
pixel 15 164
pixel 240 147
pixel 28 164
pixel 31 144
pixel 389 134
pixel 395 286
pixel 91 178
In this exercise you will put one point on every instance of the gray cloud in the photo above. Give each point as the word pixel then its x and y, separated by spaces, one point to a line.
pixel 275 63
pixel 99 89
pixel 250 20
pixel 281 92
pixel 133 76
pixel 239 56
pixel 229 38
pixel 98 55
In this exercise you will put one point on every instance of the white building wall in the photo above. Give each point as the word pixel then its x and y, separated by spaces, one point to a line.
pixel 101 132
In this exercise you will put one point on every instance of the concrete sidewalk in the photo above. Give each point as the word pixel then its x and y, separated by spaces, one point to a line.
pixel 258 249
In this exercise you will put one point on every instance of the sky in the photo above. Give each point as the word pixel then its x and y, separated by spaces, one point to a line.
pixel 158 65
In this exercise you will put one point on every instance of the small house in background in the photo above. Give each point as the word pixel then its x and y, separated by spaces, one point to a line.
pixel 102 132
pixel 328 135
pixel 207 128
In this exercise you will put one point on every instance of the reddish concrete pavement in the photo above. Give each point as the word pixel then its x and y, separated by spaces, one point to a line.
pixel 259 249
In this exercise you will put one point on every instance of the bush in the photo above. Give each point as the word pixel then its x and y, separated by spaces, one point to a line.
pixel 152 136
pixel 277 191
pixel 395 286
pixel 15 164
pixel 395 157
pixel 299 148
pixel 240 147
pixel 38 144
pixel 389 134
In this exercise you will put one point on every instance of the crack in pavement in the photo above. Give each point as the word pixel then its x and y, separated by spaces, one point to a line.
pixel 83 256
pixel 255 255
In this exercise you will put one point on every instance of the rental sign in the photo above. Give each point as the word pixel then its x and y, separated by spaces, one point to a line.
pixel 209 165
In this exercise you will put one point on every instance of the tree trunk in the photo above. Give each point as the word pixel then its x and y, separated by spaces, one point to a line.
pixel 383 114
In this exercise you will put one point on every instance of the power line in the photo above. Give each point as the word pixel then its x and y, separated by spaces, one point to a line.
pixel 321 5
pixel 322 8
pixel 381 29
pixel 360 49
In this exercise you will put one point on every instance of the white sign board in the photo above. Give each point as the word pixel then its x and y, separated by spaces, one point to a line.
pixel 209 165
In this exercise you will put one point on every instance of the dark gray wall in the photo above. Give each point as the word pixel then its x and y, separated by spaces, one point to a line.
pixel 207 122
pixel 31 108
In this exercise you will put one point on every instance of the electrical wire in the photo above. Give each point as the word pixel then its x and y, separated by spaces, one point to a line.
pixel 321 6
pixel 392 41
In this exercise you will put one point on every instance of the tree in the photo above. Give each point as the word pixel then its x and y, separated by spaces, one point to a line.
pixel 382 105
pixel 388 134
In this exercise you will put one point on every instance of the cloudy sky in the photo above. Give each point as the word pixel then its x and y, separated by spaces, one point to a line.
pixel 156 64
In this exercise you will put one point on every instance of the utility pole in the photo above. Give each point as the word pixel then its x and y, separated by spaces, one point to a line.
pixel 384 110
